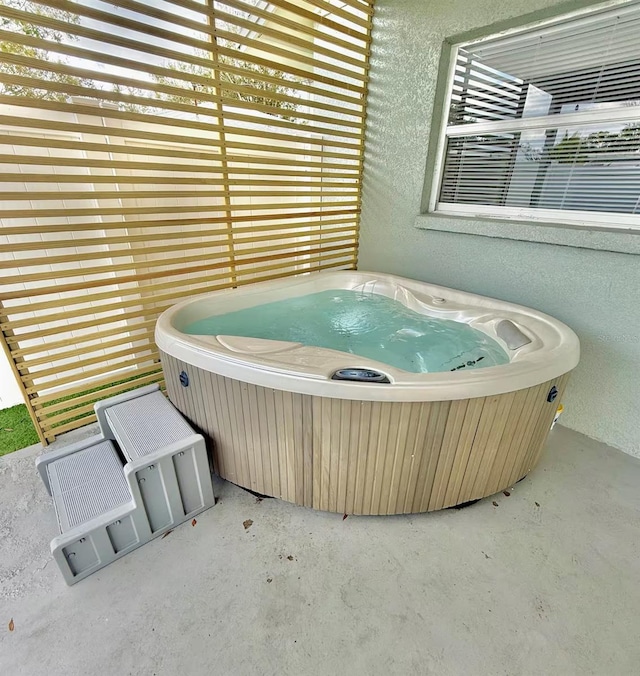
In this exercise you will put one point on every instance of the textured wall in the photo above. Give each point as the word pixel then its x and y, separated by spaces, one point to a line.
pixel 10 393
pixel 596 292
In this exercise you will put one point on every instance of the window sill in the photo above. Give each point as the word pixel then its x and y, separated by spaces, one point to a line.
pixel 527 231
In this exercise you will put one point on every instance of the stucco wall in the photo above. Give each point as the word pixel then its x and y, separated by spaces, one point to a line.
pixel 10 393
pixel 596 292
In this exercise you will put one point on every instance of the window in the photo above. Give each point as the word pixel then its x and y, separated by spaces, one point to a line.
pixel 544 123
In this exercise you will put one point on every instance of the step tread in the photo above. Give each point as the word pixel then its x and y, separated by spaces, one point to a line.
pixel 146 424
pixel 86 484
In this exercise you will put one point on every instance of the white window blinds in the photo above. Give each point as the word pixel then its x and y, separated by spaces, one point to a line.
pixel 545 123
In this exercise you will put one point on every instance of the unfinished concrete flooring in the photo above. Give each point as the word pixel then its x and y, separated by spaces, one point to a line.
pixel 542 581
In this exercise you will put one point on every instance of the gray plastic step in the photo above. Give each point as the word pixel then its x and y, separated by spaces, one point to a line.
pixel 106 509
pixel 146 424
pixel 87 484
pixel 98 507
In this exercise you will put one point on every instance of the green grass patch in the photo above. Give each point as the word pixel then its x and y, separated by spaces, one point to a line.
pixel 16 429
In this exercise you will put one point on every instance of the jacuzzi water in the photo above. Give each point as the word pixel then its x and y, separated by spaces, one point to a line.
pixel 364 324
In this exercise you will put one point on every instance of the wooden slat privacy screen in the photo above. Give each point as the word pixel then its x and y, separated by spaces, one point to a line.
pixel 155 149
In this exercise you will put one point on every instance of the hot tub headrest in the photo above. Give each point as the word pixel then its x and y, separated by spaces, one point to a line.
pixel 511 334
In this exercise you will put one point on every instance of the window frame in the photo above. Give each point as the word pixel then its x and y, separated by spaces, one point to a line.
pixel 563 218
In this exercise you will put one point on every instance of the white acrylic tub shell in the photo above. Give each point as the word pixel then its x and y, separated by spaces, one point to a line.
pixel 554 348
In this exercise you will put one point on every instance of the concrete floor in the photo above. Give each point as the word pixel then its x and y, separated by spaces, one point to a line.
pixel 547 582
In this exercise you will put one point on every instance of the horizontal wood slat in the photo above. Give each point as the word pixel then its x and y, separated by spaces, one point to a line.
pixel 48 413
pixel 300 231
pixel 339 260
pixel 300 218
pixel 343 235
pixel 131 211
pixel 49 195
pixel 115 40
pixel 299 250
pixel 302 126
pixel 151 151
pixel 172 37
pixel 289 166
pixel 270 18
pixel 144 352
pixel 327 20
pixel 315 256
pixel 353 110
pixel 155 136
pixel 97 335
pixel 304 179
pixel 355 92
pixel 71 354
pixel 95 385
pixel 360 17
pixel 167 269
pixel 183 38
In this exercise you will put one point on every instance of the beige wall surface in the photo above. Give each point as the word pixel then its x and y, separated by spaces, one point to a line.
pixel 10 392
pixel 596 292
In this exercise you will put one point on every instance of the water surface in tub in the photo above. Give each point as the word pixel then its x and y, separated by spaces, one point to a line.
pixel 364 324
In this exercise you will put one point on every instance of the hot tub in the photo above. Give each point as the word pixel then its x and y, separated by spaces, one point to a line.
pixel 349 433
